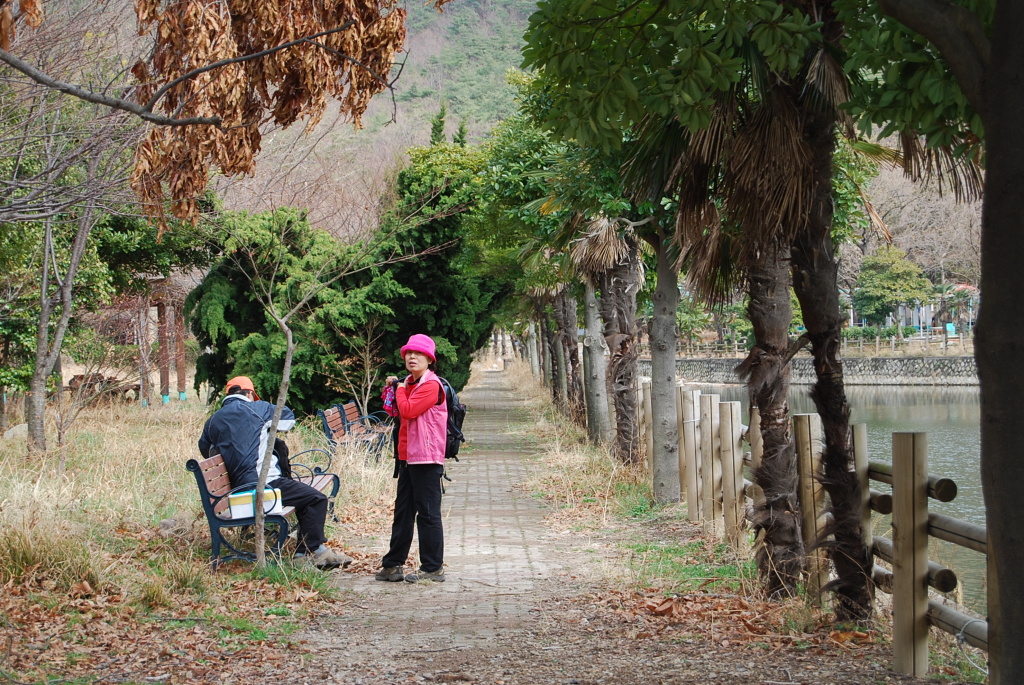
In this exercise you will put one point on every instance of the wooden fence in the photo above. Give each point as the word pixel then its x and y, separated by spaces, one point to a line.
pixel 712 458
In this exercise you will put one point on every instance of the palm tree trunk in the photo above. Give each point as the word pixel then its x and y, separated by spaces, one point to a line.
pixel 618 287
pixel 560 358
pixel 815 280
pixel 569 325
pixel 545 347
pixel 766 371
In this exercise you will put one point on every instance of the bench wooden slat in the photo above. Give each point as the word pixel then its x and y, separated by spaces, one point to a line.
pixel 321 482
pixel 219 484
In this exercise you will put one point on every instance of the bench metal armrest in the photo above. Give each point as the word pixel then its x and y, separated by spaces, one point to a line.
pixel 315 470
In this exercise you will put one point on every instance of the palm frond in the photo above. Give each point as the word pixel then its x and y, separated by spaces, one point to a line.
pixel 957 167
pixel 877 152
pixel 599 246
pixel 877 222
pixel 660 142
pixel 712 270
pixel 768 178
pixel 827 87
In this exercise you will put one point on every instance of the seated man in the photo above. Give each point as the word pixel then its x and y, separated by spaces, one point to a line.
pixel 239 432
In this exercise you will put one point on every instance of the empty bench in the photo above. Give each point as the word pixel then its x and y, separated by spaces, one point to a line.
pixel 215 487
pixel 340 432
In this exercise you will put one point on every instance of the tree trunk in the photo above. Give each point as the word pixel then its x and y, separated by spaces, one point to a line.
pixel 545 352
pixel 561 373
pixel 815 280
pixel 532 349
pixel 999 343
pixel 664 419
pixel 261 483
pixel 164 351
pixel 595 370
pixel 618 309
pixel 47 351
pixel 180 369
pixel 568 323
pixel 142 335
pixel 766 371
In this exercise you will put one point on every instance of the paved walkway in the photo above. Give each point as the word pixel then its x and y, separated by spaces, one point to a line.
pixel 519 606
pixel 498 553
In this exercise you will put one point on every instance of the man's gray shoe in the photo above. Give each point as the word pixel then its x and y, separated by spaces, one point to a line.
pixel 325 558
pixel 390 574
pixel 436 576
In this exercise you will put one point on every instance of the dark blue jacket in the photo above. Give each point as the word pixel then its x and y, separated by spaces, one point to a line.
pixel 239 431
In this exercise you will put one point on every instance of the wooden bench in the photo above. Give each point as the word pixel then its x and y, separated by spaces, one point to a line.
pixel 214 487
pixel 377 426
pixel 339 432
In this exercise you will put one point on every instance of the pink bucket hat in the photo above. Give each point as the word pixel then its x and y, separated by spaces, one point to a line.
pixel 419 343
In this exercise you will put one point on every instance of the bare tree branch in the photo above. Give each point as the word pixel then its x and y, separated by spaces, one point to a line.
pixel 100 99
pixel 146 112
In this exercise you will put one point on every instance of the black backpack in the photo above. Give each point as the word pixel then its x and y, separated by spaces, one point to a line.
pixel 456 415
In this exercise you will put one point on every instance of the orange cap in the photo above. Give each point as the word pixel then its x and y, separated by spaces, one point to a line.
pixel 243 382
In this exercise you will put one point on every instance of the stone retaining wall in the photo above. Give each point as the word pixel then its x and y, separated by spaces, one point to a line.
pixel 856 370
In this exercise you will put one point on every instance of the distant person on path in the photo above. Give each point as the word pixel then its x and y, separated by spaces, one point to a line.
pixel 239 432
pixel 423 416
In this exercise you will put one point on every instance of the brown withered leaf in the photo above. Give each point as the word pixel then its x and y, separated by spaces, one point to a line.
pixel 6 27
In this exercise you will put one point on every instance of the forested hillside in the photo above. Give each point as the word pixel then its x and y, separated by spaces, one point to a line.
pixel 459 57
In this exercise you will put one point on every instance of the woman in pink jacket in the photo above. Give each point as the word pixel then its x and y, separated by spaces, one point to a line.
pixel 421 442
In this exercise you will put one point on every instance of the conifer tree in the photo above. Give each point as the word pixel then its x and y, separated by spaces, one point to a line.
pixel 437 125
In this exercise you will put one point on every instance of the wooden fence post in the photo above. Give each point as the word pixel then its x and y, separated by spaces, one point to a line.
pixel 711 463
pixel 681 443
pixel 910 552
pixel 807 431
pixel 648 433
pixel 733 501
pixel 691 444
pixel 861 462
pixel 861 465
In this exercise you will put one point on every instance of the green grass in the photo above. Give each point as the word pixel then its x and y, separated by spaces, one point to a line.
pixel 633 500
pixel 688 567
pixel 287 574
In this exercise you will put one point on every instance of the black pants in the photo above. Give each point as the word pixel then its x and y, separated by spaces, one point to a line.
pixel 310 509
pixel 418 501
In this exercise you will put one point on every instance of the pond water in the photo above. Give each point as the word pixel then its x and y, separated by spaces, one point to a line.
pixel 951 416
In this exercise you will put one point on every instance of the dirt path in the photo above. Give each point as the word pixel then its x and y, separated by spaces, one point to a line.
pixel 523 604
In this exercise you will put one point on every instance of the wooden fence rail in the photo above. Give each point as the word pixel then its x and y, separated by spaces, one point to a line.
pixel 712 459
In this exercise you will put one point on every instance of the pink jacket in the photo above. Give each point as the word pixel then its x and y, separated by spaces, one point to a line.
pixel 426 433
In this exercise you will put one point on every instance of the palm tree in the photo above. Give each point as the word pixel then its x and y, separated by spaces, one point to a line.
pixel 729 234
pixel 607 253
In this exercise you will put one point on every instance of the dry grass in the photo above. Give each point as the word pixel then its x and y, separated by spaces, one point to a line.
pixel 99 521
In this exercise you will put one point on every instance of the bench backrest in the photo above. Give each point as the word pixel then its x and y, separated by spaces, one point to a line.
pixel 212 479
pixel 334 423
pixel 353 419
